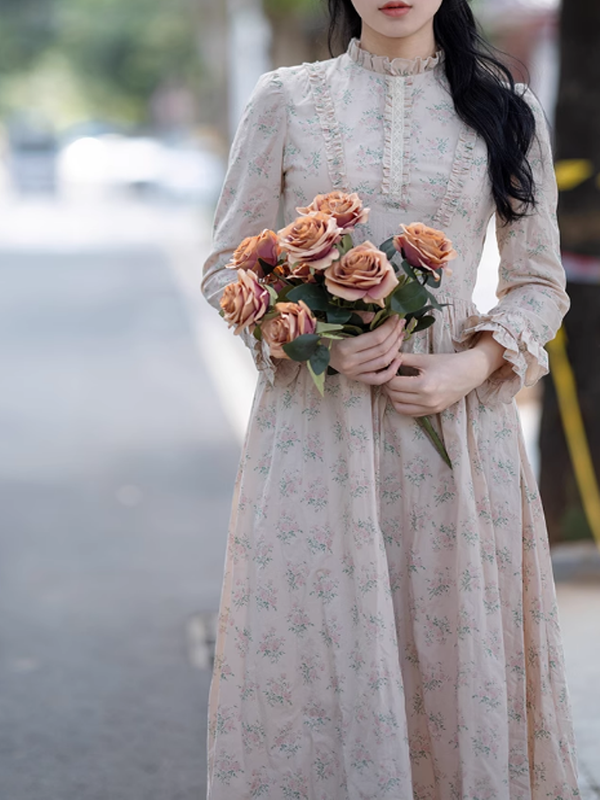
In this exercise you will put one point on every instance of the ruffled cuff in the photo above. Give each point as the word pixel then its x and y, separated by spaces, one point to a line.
pixel 527 360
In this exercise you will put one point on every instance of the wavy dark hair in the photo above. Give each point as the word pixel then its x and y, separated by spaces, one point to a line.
pixel 484 95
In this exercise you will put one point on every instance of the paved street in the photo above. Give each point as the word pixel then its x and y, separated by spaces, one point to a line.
pixel 116 468
pixel 119 438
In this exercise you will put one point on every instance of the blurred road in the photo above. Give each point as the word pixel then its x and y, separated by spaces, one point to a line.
pixel 119 439
pixel 116 470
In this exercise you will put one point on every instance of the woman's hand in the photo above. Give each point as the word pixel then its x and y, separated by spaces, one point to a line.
pixel 372 357
pixel 443 379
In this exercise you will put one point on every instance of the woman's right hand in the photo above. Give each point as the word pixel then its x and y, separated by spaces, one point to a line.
pixel 372 358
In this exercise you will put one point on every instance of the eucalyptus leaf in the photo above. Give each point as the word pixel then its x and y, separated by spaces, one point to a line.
pixel 409 269
pixel 266 267
pixel 302 348
pixel 319 380
pixel 257 333
pixel 408 298
pixel 423 323
pixel 388 248
pixel 319 361
pixel 337 315
pixel 313 295
pixel 327 327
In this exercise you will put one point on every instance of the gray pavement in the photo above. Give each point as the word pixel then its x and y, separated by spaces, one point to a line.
pixel 116 469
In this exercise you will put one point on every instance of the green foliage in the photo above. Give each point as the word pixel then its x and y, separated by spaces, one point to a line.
pixel 117 51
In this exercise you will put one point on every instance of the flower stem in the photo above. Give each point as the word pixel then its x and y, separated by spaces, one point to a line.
pixel 425 424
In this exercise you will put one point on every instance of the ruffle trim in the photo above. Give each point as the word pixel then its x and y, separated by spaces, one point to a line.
pixel 400 67
pixel 397 132
pixel 527 359
pixel 334 144
pixel 460 170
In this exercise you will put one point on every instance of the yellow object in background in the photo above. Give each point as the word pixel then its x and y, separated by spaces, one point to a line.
pixel 570 172
pixel 570 411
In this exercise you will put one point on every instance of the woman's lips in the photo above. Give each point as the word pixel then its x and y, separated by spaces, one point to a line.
pixel 395 10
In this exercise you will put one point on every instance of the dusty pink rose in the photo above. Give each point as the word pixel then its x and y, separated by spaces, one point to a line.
pixel 244 301
pixel 425 247
pixel 294 319
pixel 265 246
pixel 311 239
pixel 364 273
pixel 347 209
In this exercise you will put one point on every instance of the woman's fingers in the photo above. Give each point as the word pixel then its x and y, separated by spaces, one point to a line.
pixel 380 338
pixel 380 377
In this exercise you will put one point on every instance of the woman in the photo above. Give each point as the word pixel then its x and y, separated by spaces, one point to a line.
pixel 388 626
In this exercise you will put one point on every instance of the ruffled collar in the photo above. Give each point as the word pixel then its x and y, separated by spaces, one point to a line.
pixel 394 66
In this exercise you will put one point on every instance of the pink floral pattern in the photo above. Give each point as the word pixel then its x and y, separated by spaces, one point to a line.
pixel 388 628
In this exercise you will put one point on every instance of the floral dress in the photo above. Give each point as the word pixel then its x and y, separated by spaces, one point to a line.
pixel 388 627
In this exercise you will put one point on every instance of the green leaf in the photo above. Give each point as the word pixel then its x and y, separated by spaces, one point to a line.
pixel 409 269
pixel 423 323
pixel 408 298
pixel 319 361
pixel 266 267
pixel 337 315
pixel 319 380
pixel 257 333
pixel 326 327
pixel 272 293
pixel 388 248
pixel 345 244
pixel 314 296
pixel 302 348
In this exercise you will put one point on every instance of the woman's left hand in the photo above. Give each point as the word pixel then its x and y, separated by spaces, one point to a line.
pixel 443 379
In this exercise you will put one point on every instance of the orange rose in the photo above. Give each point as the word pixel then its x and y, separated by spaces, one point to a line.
pixel 294 319
pixel 265 246
pixel 347 209
pixel 364 273
pixel 425 247
pixel 312 239
pixel 244 301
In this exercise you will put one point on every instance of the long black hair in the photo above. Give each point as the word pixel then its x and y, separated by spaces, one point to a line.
pixel 484 95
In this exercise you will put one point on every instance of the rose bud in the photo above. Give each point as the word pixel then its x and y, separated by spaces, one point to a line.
pixel 311 239
pixel 347 209
pixel 244 301
pixel 425 247
pixel 265 246
pixel 364 273
pixel 294 320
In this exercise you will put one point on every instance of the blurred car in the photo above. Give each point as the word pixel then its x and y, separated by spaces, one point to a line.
pixel 31 154
pixel 144 165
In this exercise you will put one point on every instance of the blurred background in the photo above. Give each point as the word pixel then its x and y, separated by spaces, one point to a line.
pixel 120 429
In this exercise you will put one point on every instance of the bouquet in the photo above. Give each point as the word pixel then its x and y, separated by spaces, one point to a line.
pixel 303 287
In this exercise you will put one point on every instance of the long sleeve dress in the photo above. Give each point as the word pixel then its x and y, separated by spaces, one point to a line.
pixel 388 627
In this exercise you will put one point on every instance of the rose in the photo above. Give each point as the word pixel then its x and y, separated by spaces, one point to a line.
pixel 264 246
pixel 311 238
pixel 244 301
pixel 293 320
pixel 347 209
pixel 364 273
pixel 425 247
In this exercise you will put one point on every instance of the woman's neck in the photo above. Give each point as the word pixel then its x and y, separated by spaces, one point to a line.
pixel 420 44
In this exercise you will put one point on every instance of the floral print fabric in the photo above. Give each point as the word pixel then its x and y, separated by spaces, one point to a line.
pixel 388 628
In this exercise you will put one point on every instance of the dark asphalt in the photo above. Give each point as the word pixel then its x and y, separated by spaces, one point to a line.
pixel 116 469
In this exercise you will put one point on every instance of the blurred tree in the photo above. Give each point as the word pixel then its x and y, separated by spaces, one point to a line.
pixel 128 50
pixel 299 31
pixel 578 169
pixel 28 26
